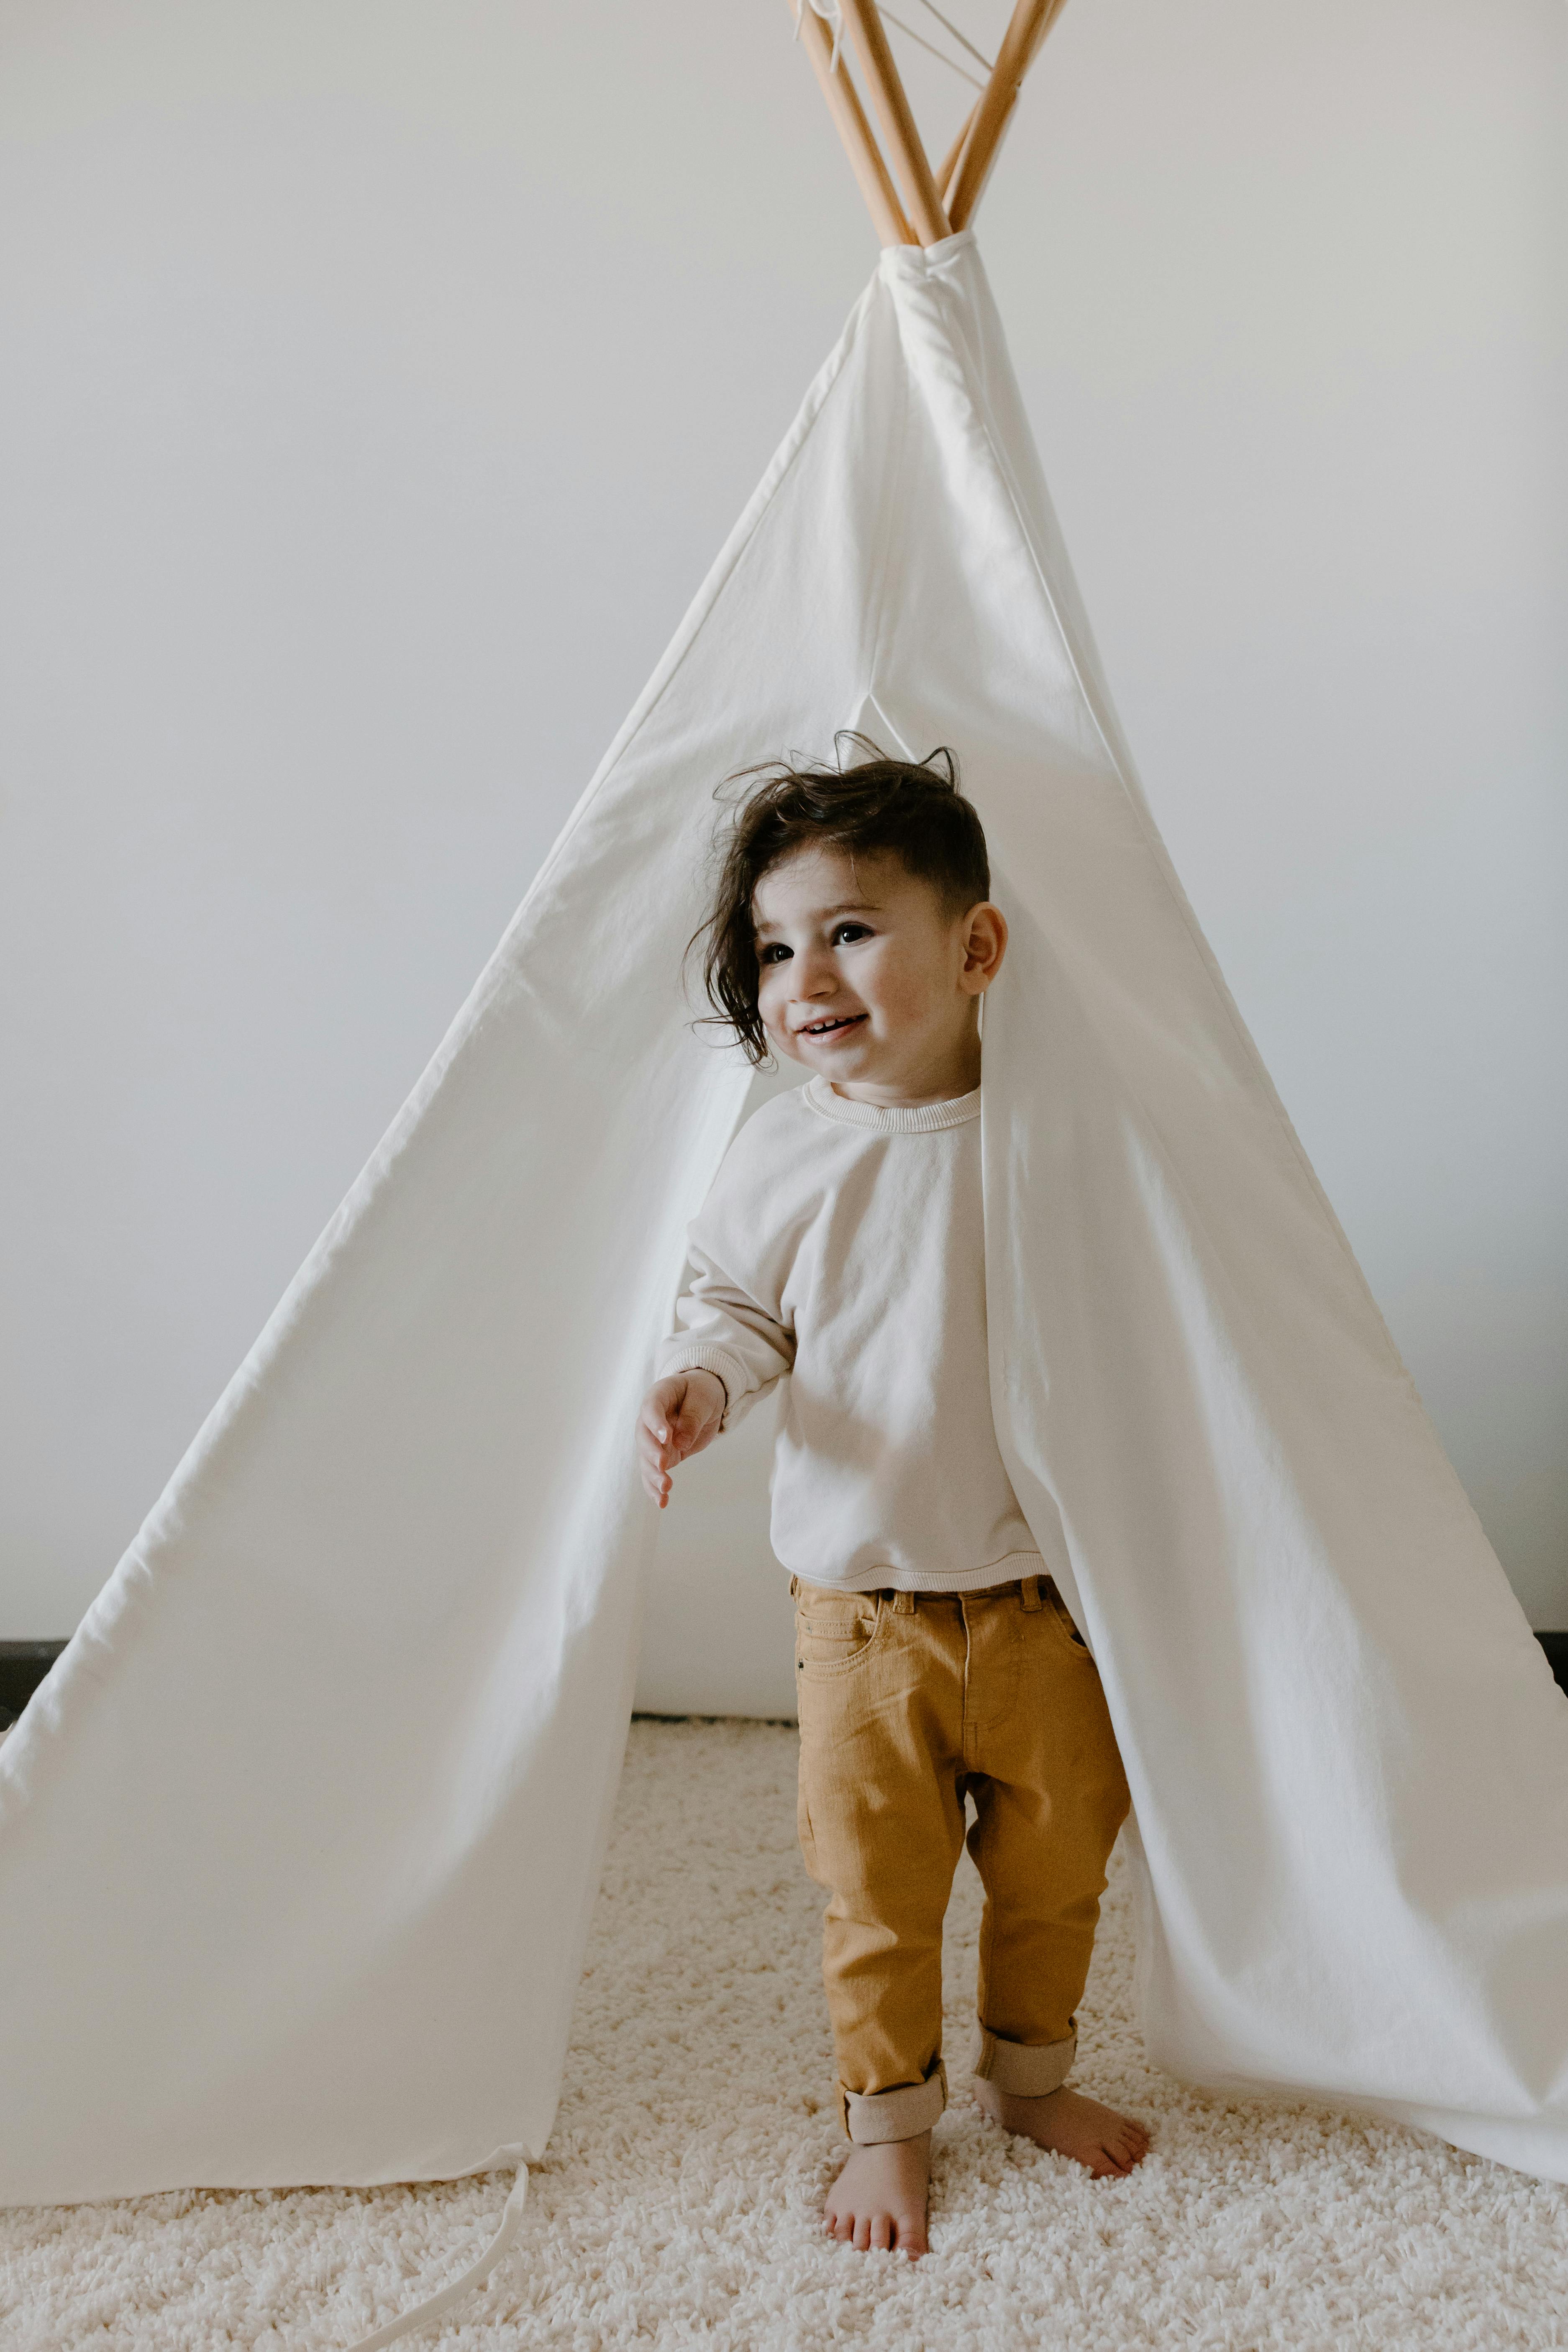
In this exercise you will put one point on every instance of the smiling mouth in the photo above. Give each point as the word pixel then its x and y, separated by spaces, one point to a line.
pixel 833 1026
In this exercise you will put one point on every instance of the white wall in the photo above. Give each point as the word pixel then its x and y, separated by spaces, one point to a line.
pixel 380 381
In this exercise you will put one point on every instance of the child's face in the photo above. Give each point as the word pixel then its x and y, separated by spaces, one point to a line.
pixel 864 975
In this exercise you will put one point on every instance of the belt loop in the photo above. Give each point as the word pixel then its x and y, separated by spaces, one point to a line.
pixel 903 1604
pixel 1029 1591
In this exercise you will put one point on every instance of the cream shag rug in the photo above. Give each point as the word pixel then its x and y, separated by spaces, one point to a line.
pixel 678 2202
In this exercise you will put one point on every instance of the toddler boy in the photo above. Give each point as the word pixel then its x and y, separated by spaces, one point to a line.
pixel 842 1244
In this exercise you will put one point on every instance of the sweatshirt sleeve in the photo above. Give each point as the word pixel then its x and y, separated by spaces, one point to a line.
pixel 732 1320
pixel 724 1329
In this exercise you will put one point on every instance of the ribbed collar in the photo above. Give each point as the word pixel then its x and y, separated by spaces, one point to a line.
pixel 900 1119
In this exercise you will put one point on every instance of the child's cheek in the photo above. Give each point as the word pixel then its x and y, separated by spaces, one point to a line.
pixel 897 993
pixel 769 1010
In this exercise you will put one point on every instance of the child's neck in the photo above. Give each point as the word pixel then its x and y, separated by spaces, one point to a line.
pixel 951 1071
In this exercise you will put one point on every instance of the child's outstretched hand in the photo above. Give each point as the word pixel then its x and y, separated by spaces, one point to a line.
pixel 680 1416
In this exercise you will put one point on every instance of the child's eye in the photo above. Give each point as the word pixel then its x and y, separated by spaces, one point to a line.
pixel 773 953
pixel 850 931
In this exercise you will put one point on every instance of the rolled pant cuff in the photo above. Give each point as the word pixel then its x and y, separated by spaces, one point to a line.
pixel 1026 2070
pixel 872 2117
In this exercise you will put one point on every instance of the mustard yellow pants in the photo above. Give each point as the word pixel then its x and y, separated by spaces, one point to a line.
pixel 908 1704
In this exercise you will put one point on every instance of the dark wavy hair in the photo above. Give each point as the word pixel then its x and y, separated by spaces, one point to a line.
pixel 912 810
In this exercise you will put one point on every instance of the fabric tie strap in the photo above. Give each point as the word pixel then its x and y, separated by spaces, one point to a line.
pixel 474 2275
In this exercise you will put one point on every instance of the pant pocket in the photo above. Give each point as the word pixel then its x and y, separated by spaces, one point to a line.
pixel 1063 1615
pixel 834 1630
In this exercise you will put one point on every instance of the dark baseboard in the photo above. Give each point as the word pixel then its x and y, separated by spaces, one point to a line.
pixel 24 1665
pixel 1556 1648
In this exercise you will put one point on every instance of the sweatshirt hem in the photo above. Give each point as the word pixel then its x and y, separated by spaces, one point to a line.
pixel 1004 1570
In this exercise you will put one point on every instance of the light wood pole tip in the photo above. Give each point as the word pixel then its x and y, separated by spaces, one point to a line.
pixel 929 208
pixel 1031 21
pixel 849 118
pixel 877 62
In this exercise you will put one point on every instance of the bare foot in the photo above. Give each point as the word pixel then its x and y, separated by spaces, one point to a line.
pixel 879 2198
pixel 1109 2144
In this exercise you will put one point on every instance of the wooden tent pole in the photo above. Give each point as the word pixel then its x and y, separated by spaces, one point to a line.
pixel 903 140
pixel 865 156
pixel 1031 21
pixel 950 161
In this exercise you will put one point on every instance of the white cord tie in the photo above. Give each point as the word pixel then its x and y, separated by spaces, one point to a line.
pixel 474 2275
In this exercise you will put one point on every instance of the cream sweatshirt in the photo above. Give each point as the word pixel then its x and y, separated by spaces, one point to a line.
pixel 844 1245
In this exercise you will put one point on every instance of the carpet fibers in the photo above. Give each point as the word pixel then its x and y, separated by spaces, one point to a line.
pixel 679 2203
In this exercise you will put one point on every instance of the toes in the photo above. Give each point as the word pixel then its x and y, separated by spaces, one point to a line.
pixel 863 2234
pixel 1121 2151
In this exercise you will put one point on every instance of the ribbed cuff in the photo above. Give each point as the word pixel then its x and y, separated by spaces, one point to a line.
pixel 1026 2070
pixel 726 1368
pixel 872 2117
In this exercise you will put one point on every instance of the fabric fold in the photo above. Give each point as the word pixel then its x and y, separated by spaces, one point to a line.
pixel 873 2119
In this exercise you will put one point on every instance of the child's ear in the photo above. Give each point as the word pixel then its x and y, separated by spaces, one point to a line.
pixel 985 944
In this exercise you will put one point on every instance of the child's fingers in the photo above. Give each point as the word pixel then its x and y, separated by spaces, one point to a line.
pixel 683 1430
pixel 656 1485
pixel 654 1478
pixel 659 1437
pixel 654 1418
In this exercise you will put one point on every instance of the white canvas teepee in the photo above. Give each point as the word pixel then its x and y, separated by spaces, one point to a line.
pixel 298 1842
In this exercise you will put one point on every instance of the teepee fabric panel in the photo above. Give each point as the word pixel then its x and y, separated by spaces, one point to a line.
pixel 1349 1758
pixel 298 1840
